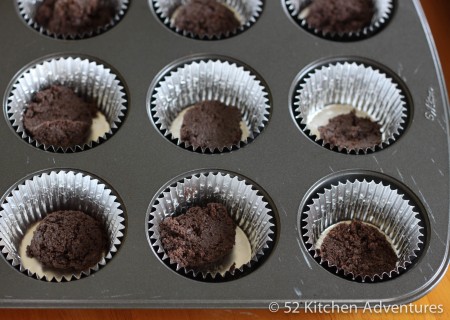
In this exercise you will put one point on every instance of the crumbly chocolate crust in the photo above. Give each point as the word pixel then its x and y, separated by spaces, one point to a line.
pixel 351 132
pixel 74 17
pixel 200 238
pixel 211 124
pixel 68 240
pixel 57 116
pixel 206 18
pixel 340 16
pixel 358 248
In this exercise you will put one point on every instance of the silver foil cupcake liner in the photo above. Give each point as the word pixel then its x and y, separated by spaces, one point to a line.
pixel 245 202
pixel 27 9
pixel 384 10
pixel 31 200
pixel 198 80
pixel 246 11
pixel 376 203
pixel 88 78
pixel 366 89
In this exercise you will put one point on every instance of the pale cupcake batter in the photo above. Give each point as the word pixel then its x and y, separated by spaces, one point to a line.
pixel 99 128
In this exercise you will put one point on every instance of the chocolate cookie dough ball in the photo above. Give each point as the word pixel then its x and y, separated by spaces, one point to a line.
pixel 351 132
pixel 205 18
pixel 57 116
pixel 340 16
pixel 358 248
pixel 73 17
pixel 68 240
pixel 200 238
pixel 211 124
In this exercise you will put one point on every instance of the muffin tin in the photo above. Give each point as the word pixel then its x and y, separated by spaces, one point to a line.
pixel 288 167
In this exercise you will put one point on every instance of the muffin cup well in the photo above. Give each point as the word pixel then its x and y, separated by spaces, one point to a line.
pixel 247 12
pixel 27 9
pixel 377 203
pixel 88 78
pixel 384 10
pixel 367 89
pixel 29 201
pixel 196 80
pixel 245 202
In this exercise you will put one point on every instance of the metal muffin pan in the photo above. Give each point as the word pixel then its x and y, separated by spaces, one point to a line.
pixel 137 161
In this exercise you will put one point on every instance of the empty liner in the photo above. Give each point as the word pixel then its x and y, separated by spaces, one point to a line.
pixel 27 9
pixel 363 87
pixel 89 79
pixel 31 200
pixel 245 204
pixel 384 10
pixel 246 12
pixel 209 79
pixel 375 203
